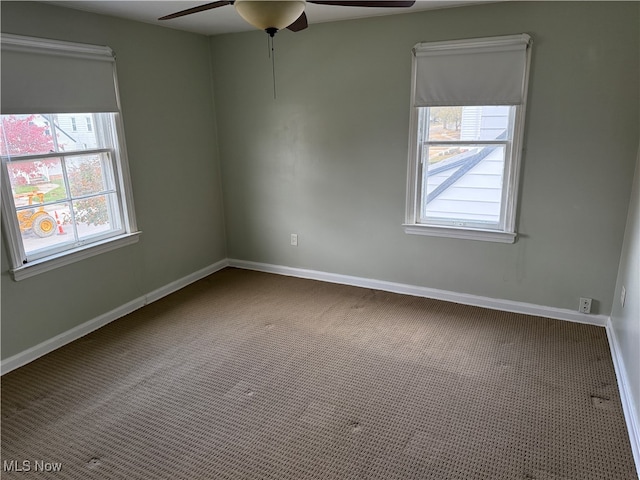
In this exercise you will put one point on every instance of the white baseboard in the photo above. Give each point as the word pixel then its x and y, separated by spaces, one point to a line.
pixel 184 281
pixel 85 328
pixel 58 341
pixel 417 291
pixel 631 413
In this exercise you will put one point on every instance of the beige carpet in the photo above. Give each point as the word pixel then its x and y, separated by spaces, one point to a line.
pixel 247 375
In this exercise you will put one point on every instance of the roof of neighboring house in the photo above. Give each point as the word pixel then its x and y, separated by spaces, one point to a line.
pixel 468 184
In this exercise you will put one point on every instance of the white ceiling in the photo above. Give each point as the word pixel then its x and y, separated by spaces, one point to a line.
pixel 226 20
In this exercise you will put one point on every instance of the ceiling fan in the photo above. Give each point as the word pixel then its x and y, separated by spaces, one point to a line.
pixel 274 15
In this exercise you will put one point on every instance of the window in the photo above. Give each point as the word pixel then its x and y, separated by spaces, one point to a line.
pixel 65 191
pixel 468 100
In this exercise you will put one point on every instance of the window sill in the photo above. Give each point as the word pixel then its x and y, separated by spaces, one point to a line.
pixel 71 256
pixel 468 233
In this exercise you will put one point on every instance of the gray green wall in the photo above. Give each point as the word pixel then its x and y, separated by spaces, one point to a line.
pixel 327 159
pixel 167 104
pixel 625 320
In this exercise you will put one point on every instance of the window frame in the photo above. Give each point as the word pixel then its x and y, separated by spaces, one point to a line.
pixel 506 233
pixel 110 131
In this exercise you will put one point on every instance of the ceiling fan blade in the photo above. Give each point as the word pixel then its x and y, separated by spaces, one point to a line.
pixel 300 24
pixel 201 8
pixel 365 3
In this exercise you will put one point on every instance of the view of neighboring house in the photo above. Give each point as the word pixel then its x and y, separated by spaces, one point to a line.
pixel 75 130
pixel 71 131
pixel 468 185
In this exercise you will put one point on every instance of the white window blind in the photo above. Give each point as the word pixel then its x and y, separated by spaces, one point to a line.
pixel 486 71
pixel 49 76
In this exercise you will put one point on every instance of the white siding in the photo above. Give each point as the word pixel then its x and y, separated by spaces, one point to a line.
pixel 483 123
pixel 80 139
pixel 434 181
pixel 475 196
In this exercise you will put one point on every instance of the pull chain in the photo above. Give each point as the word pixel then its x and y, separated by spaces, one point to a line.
pixel 272 54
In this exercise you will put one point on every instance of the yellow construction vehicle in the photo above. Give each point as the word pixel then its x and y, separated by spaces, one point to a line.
pixel 37 220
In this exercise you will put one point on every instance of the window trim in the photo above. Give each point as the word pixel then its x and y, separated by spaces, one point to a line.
pixel 111 128
pixel 68 257
pixel 508 233
pixel 460 232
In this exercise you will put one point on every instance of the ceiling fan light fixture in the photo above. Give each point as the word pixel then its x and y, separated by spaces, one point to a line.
pixel 270 14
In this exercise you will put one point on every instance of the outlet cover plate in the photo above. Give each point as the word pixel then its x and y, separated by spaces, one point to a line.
pixel 585 305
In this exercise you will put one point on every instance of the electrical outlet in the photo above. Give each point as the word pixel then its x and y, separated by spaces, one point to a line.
pixel 294 239
pixel 623 295
pixel 585 305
